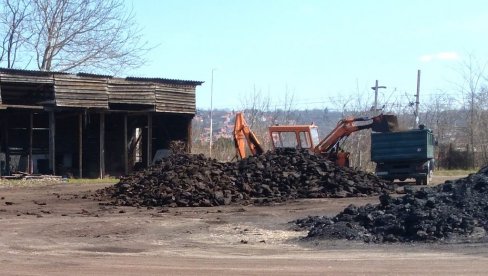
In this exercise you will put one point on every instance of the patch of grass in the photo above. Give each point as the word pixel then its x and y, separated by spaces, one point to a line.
pixel 453 172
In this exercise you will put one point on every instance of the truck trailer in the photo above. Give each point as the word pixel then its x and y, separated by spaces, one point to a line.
pixel 404 154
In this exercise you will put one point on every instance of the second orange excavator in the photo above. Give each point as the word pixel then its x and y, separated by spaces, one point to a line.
pixel 307 136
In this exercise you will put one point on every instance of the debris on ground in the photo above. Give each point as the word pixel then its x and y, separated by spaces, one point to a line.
pixel 454 211
pixel 194 180
pixel 25 179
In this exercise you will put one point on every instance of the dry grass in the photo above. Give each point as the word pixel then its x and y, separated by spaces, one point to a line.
pixel 443 172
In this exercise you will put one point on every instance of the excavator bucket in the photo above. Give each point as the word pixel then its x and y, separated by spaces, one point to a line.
pixel 385 123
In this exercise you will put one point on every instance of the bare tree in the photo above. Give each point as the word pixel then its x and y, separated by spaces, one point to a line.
pixel 283 111
pixel 13 22
pixel 255 105
pixel 440 116
pixel 474 83
pixel 85 34
pixel 483 124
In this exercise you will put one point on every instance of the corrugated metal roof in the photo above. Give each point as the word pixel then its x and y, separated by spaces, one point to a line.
pixel 30 72
pixel 90 75
pixel 163 80
pixel 82 74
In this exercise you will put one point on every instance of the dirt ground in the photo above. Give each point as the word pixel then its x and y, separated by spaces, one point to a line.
pixel 54 230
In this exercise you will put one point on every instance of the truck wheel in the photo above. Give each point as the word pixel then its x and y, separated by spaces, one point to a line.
pixel 418 181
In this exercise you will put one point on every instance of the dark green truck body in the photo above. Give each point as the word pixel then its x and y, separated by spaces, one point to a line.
pixel 404 154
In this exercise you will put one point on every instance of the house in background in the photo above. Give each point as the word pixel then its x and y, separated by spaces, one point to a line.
pixel 89 125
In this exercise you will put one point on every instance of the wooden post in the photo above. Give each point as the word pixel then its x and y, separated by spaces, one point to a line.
pixel 7 151
pixel 189 137
pixel 80 145
pixel 149 139
pixel 30 164
pixel 52 144
pixel 102 145
pixel 126 153
pixel 2 139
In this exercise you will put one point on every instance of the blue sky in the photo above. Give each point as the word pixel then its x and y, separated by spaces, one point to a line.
pixel 316 51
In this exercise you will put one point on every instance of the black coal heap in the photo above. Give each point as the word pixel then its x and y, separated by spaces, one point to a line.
pixel 194 180
pixel 454 211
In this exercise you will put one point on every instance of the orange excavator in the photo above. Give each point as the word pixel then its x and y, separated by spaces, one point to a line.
pixel 307 136
pixel 243 135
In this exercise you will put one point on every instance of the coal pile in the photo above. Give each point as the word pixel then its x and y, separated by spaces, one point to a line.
pixel 194 180
pixel 289 173
pixel 179 180
pixel 454 211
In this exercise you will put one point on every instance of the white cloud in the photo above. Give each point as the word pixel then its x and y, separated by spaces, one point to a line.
pixel 440 56
pixel 426 58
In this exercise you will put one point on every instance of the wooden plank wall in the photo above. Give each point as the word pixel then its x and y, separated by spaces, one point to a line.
pixel 19 79
pixel 98 91
pixel 16 78
pixel 74 91
pixel 125 92
pixel 175 98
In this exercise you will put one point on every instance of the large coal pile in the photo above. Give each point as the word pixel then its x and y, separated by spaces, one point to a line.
pixel 289 173
pixel 179 180
pixel 193 180
pixel 456 210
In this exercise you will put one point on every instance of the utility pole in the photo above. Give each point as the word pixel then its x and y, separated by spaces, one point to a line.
pixel 211 113
pixel 417 102
pixel 375 88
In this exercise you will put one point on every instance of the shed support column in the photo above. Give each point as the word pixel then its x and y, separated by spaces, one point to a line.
pixel 149 139
pixel 189 137
pixel 126 152
pixel 52 144
pixel 80 145
pixel 102 145
pixel 30 163
pixel 6 147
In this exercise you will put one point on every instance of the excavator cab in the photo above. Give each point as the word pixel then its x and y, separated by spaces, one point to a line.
pixel 294 136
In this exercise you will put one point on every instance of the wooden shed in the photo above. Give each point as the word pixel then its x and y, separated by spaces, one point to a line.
pixel 86 125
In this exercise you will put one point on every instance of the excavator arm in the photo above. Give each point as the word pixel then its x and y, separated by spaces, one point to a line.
pixel 243 135
pixel 380 123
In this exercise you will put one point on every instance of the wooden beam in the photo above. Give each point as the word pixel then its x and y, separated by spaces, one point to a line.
pixel 52 142
pixel 18 106
pixel 30 165
pixel 149 139
pixel 102 146
pixel 80 145
pixel 126 153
